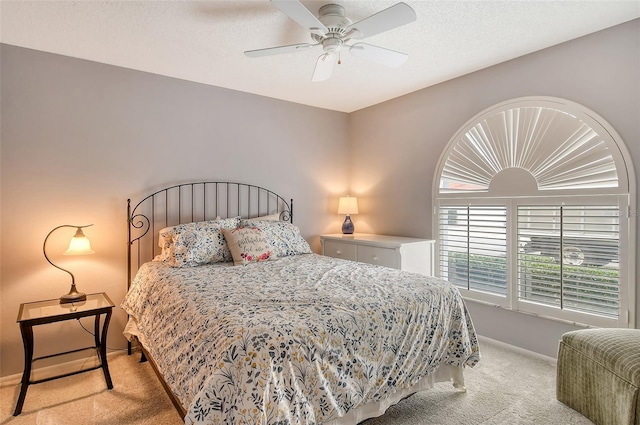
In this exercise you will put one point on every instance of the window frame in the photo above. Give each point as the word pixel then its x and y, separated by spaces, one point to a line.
pixel 623 195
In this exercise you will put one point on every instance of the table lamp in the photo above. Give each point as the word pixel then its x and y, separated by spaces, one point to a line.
pixel 348 205
pixel 79 245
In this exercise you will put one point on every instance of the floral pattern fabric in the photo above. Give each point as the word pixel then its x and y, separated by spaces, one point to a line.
pixel 302 340
pixel 198 243
pixel 284 237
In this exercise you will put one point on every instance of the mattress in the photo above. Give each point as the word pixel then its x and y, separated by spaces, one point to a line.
pixel 306 339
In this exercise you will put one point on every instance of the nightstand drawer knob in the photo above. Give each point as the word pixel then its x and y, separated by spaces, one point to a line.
pixel 338 252
pixel 375 258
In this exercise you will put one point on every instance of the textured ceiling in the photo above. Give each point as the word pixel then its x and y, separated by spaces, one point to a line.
pixel 203 41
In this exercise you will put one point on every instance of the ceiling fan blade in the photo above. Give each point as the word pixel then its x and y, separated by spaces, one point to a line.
pixel 301 15
pixel 378 54
pixel 324 67
pixel 385 20
pixel 277 50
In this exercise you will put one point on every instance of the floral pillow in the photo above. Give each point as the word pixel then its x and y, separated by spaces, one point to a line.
pixel 194 244
pixel 165 235
pixel 247 245
pixel 284 237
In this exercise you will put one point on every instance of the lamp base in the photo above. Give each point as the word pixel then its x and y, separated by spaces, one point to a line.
pixel 73 296
pixel 347 226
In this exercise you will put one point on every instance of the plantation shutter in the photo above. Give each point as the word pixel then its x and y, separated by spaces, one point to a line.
pixel 567 225
pixel 472 241
pixel 570 258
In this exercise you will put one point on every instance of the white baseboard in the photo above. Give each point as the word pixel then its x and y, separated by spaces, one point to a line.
pixel 517 349
pixel 56 369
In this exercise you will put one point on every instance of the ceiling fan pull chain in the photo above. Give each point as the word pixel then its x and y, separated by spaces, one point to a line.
pixel 339 61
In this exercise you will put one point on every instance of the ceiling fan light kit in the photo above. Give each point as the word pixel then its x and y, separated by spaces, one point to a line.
pixel 332 30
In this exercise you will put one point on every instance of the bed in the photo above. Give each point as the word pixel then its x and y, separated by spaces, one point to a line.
pixel 251 327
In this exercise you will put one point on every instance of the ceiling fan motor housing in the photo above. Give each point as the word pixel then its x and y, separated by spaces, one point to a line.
pixel 333 17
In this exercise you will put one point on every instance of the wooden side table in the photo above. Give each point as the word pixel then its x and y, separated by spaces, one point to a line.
pixel 50 311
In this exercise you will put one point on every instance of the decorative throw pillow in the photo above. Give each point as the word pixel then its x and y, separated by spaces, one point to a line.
pixel 194 244
pixel 247 245
pixel 284 237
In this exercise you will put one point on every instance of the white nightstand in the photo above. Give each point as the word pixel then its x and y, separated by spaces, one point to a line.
pixel 408 254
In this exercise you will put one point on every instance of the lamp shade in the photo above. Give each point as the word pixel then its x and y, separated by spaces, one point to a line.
pixel 79 245
pixel 348 205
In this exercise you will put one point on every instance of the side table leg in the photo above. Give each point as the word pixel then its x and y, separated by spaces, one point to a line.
pixel 96 330
pixel 103 348
pixel 27 342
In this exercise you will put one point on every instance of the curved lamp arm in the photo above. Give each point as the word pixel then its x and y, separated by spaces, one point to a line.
pixel 73 294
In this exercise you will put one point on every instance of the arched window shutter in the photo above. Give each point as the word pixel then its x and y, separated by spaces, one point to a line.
pixel 533 198
pixel 560 149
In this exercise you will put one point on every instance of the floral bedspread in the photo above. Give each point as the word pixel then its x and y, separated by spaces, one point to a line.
pixel 301 340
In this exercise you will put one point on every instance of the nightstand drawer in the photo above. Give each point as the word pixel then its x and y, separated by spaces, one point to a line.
pixel 336 249
pixel 387 257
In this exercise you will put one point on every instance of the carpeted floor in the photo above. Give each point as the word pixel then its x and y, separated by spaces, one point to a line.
pixel 506 387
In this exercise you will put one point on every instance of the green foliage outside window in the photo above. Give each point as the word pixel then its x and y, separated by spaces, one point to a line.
pixel 541 279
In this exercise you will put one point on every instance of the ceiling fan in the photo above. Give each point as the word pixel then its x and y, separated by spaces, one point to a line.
pixel 332 30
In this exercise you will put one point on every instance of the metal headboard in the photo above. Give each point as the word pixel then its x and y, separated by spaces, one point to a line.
pixel 188 202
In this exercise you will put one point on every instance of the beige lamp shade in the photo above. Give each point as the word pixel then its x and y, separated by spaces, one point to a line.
pixel 79 245
pixel 348 205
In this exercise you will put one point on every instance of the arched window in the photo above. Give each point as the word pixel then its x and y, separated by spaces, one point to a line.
pixel 532 203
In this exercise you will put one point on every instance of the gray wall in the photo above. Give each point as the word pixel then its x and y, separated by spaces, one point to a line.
pixel 396 145
pixel 78 138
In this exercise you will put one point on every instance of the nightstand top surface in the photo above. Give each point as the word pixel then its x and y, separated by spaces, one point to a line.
pixel 52 308
pixel 370 237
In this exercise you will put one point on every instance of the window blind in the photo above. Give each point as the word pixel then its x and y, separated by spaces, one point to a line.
pixel 570 257
pixel 472 241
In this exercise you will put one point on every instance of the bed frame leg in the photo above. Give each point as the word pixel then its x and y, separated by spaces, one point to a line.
pixel 143 358
pixel 458 379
